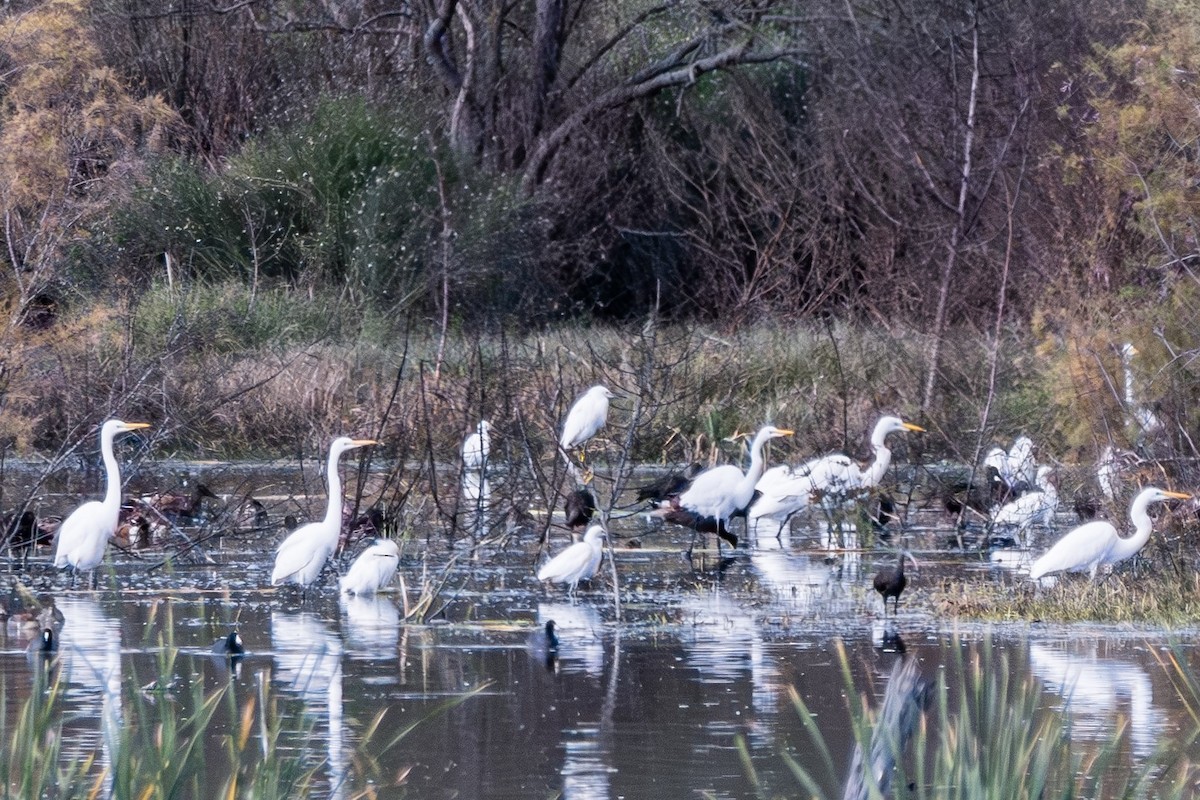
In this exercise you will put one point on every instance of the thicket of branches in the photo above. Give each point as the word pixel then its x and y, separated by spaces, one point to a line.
pixel 908 162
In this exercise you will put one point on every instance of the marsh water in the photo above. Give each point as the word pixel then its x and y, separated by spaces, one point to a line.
pixel 648 698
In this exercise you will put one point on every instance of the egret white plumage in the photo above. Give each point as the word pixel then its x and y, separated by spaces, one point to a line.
pixel 585 419
pixel 578 562
pixel 302 555
pixel 1096 543
pixel 786 490
pixel 718 494
pixel 476 446
pixel 84 534
pixel 1032 508
pixel 374 568
pixel 1021 472
pixel 1145 418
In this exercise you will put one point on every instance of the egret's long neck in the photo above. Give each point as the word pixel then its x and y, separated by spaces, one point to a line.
pixel 883 457
pixel 745 489
pixel 1125 360
pixel 333 514
pixel 112 492
pixel 1142 526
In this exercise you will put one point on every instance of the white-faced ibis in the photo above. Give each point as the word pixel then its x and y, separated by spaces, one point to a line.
pixel 302 555
pixel 670 485
pixel 1095 543
pixel 890 581
pixel 84 534
pixel 579 507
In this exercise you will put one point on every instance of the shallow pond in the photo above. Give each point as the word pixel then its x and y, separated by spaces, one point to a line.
pixel 646 699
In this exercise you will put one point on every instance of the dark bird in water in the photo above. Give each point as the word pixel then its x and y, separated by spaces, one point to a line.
pixel 23 532
pixel 46 644
pixel 1086 505
pixel 669 485
pixel 179 509
pixel 290 523
pixel 886 513
pixel 231 645
pixel 579 508
pixel 890 581
pixel 367 525
pixel 543 645
pixel 979 496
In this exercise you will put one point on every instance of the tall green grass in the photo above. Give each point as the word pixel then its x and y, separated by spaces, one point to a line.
pixel 975 731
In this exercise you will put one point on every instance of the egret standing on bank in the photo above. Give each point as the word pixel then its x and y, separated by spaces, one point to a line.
pixel 302 555
pixel 84 535
pixel 1096 543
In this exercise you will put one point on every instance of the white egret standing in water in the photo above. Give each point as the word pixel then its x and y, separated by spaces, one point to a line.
pixel 475 447
pixel 1096 543
pixel 578 562
pixel 84 535
pixel 374 568
pixel 302 555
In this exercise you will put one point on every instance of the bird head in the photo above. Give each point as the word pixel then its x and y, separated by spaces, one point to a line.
pixel 344 443
pixel 771 432
pixel 594 534
pixel 114 426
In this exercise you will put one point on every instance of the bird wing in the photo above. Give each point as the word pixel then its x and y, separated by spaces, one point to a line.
pixel 299 551
pixel 584 420
pixel 1077 550
pixel 568 565
pixel 711 493
pixel 79 528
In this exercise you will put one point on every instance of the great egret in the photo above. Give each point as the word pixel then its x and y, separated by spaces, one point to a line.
pixel 230 645
pixel 373 569
pixel 890 581
pixel 585 419
pixel 786 490
pixel 1096 543
pixel 475 447
pixel 84 534
pixel 304 552
pixel 1032 508
pixel 578 562
pixel 1147 421
pixel 718 494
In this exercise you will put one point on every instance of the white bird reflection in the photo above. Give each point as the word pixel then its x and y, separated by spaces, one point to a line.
pixel 1096 690
pixel 477 495
pixel 802 583
pixel 579 629
pixel 372 627
pixel 308 660
pixel 90 659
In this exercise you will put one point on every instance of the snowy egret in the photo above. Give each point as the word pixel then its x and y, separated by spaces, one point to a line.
pixel 578 562
pixel 302 555
pixel 1096 543
pixel 373 569
pixel 786 490
pixel 718 494
pixel 1032 508
pixel 585 419
pixel 1147 421
pixel 84 534
pixel 476 446
pixel 890 581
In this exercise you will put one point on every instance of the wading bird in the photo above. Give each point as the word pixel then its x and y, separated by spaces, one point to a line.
pixel 718 494
pixel 579 507
pixel 585 419
pixel 1095 543
pixel 46 643
pixel 786 490
pixel 475 448
pixel 578 562
pixel 302 555
pixel 669 485
pixel 84 534
pixel 373 569
pixel 890 581
pixel 1032 508
pixel 1147 421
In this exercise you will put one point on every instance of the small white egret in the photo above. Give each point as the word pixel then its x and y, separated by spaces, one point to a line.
pixel 1095 543
pixel 1021 465
pixel 84 535
pixel 1032 508
pixel 786 490
pixel 475 447
pixel 586 418
pixel 374 568
pixel 302 555
pixel 578 562
pixel 1144 416
pixel 718 494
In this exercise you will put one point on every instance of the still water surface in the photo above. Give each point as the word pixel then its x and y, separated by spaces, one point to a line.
pixel 650 704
